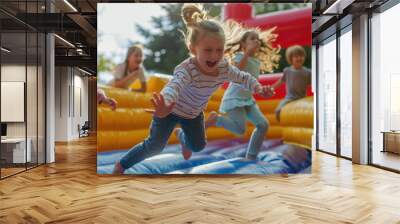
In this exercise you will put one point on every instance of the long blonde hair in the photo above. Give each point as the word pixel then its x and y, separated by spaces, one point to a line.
pixel 198 23
pixel 131 50
pixel 267 54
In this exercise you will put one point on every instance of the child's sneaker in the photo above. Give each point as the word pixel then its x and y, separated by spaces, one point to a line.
pixel 286 175
pixel 186 153
pixel 251 157
pixel 211 120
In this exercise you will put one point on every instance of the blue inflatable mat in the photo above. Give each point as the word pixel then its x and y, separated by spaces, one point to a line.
pixel 219 157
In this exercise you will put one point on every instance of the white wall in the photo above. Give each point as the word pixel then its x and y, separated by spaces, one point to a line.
pixel 61 103
pixel 16 73
pixel 11 73
pixel 33 127
pixel 80 100
pixel 71 94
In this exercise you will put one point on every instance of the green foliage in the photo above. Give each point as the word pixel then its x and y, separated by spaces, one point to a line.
pixel 104 64
pixel 165 47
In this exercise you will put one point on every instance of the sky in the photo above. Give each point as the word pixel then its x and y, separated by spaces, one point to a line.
pixel 116 24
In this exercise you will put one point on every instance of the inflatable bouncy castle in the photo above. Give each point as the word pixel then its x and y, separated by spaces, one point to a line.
pixel 286 148
pixel 292 26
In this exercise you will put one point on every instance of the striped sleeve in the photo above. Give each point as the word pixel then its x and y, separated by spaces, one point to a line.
pixel 240 77
pixel 173 88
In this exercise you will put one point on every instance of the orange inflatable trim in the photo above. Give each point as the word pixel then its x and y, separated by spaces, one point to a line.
pixel 129 123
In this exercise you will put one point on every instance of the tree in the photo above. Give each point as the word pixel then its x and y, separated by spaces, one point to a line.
pixel 165 47
pixel 104 64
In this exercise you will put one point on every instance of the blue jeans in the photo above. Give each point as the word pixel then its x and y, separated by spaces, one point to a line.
pixel 235 121
pixel 192 136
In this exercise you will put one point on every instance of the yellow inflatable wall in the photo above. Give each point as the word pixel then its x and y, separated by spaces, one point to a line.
pixel 129 123
pixel 297 122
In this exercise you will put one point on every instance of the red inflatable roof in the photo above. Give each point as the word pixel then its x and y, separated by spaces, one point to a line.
pixel 293 26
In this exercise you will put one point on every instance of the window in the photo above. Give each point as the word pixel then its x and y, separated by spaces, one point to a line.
pixel 346 94
pixel 22 67
pixel 385 84
pixel 327 96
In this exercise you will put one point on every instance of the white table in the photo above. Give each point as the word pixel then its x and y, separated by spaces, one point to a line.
pixel 17 146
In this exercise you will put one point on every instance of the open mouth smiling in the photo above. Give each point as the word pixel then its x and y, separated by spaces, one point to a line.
pixel 211 63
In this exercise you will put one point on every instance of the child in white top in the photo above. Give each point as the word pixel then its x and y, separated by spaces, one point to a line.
pixel 251 51
pixel 130 70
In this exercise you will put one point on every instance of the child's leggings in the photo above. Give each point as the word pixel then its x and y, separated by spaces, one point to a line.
pixel 192 136
pixel 280 106
pixel 235 121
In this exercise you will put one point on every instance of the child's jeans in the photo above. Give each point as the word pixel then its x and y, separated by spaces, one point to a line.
pixel 235 121
pixel 193 137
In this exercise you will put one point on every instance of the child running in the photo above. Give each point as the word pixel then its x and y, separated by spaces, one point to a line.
pixel 184 98
pixel 252 52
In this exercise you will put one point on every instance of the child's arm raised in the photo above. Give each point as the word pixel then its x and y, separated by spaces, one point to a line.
pixel 240 61
pixel 172 89
pixel 248 81
pixel 165 101
pixel 243 78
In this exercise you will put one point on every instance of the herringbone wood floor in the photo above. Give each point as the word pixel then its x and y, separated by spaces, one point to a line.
pixel 70 191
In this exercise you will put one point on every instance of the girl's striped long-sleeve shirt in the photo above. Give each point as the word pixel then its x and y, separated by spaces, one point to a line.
pixel 191 90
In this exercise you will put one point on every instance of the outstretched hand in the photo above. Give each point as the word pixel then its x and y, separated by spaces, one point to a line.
pixel 267 91
pixel 112 103
pixel 161 110
pixel 102 98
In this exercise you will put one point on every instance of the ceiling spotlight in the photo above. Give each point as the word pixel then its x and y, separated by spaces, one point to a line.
pixel 64 40
pixel 5 50
pixel 70 5
pixel 337 7
pixel 84 71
